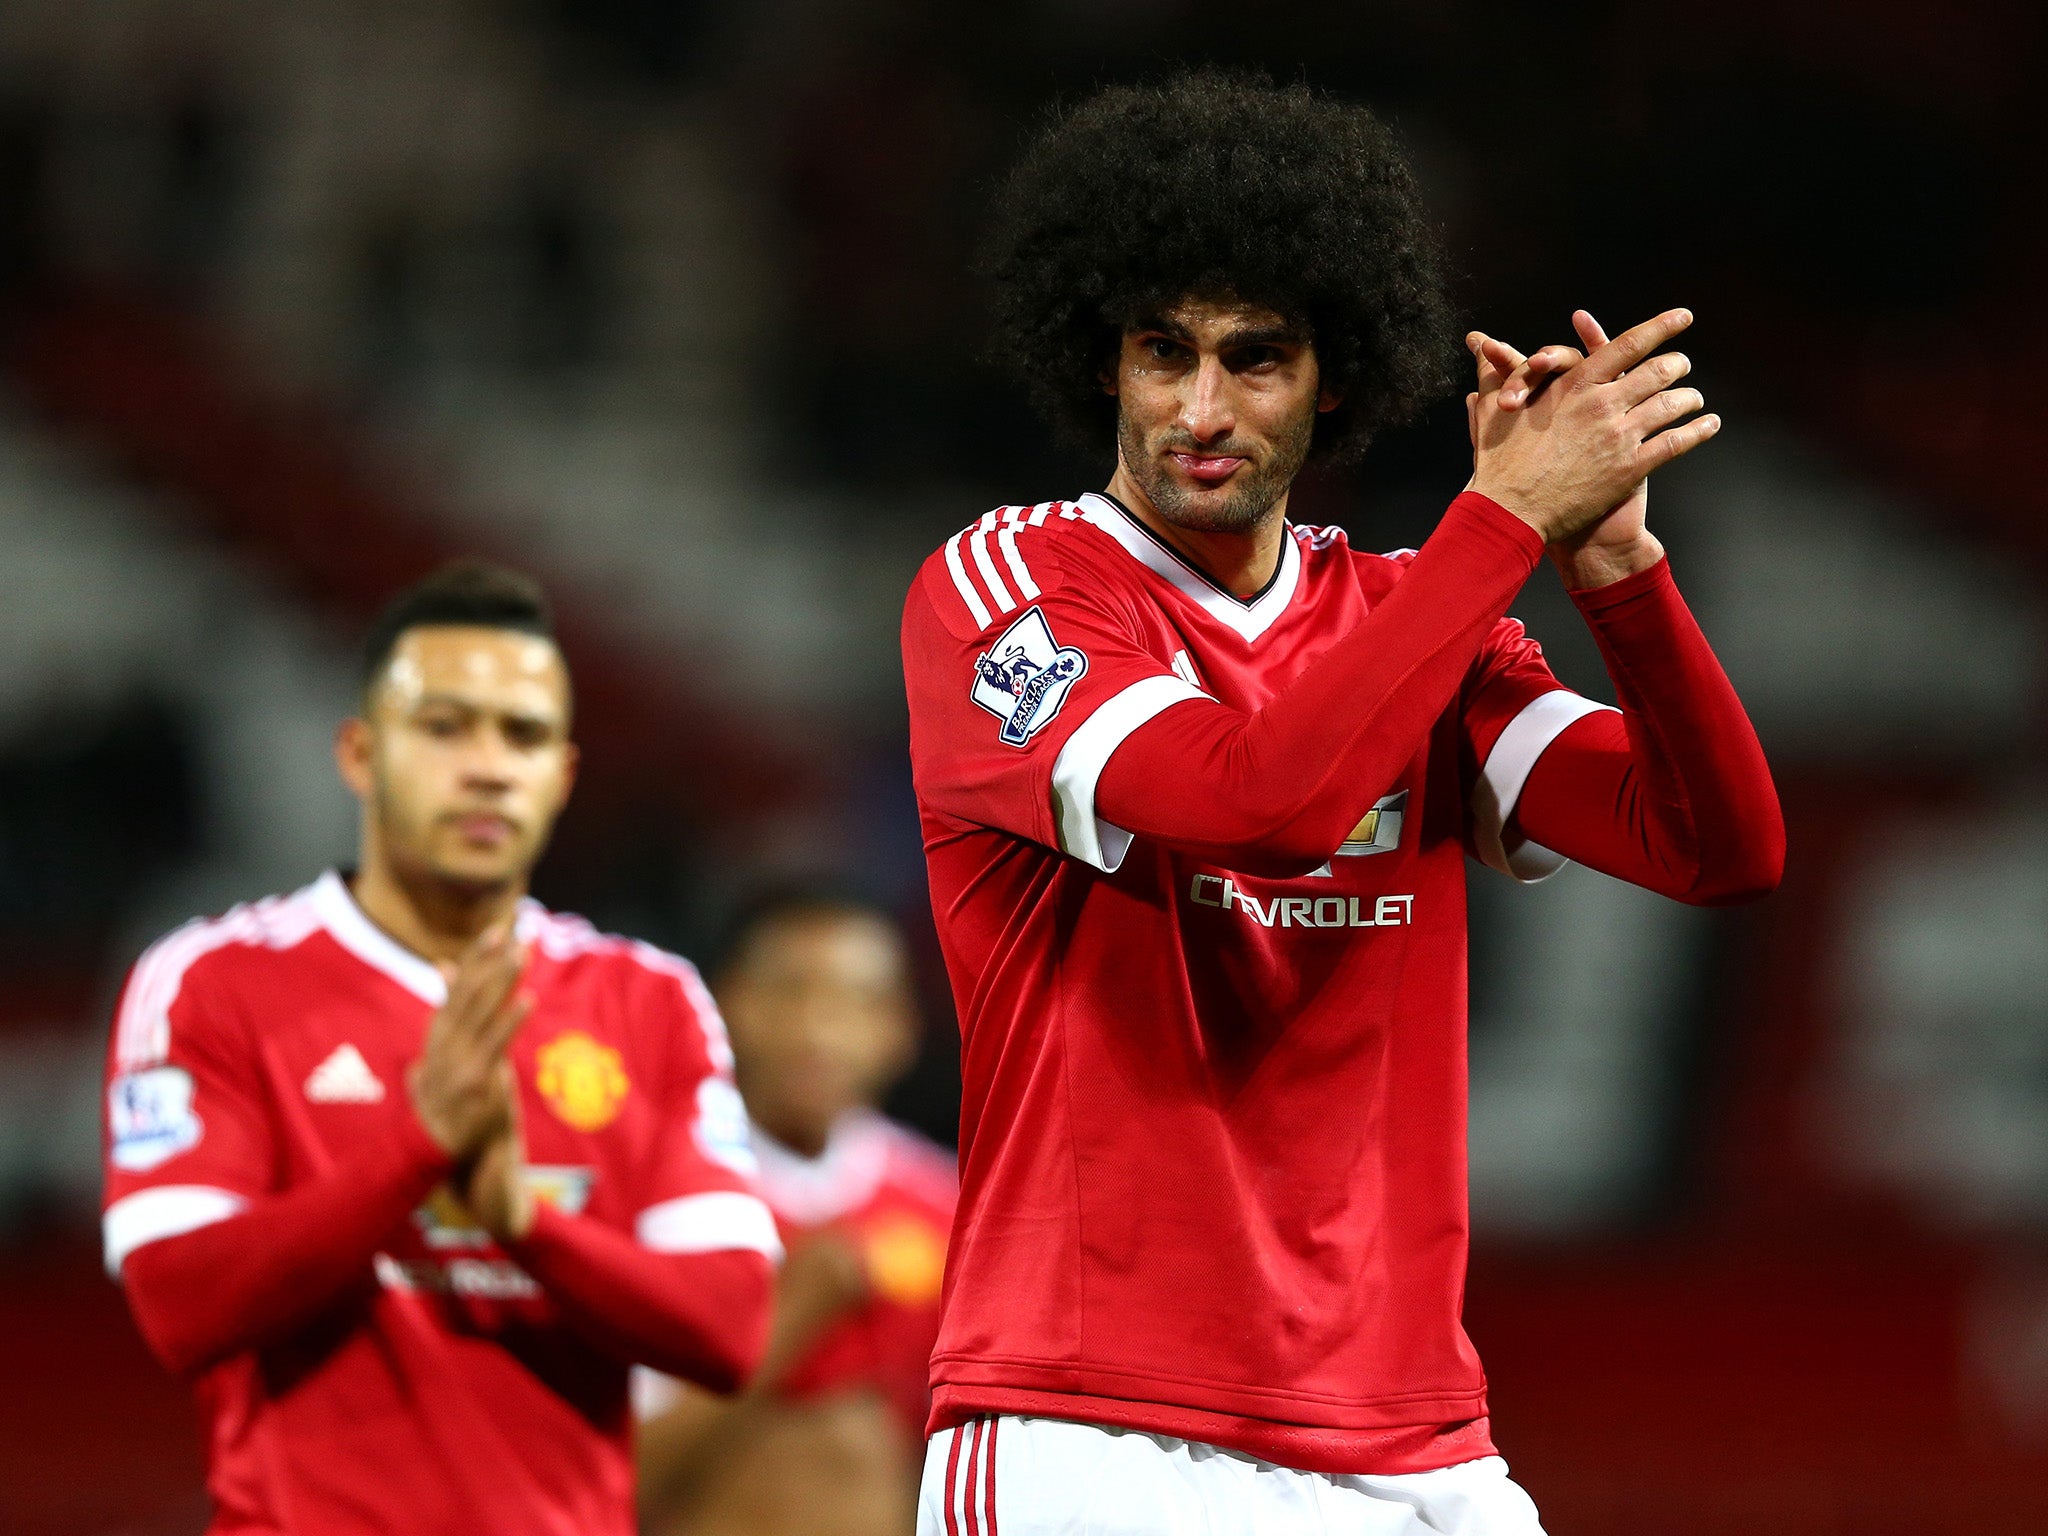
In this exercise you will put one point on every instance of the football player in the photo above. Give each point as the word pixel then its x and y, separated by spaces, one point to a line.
pixel 404 1171
pixel 1198 784
pixel 816 989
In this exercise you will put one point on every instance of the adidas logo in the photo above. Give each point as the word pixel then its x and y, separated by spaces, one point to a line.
pixel 344 1078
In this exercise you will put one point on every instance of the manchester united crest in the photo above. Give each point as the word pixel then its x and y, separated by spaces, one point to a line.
pixel 583 1080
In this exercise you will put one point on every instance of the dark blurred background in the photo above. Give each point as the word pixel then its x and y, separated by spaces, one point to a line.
pixel 670 302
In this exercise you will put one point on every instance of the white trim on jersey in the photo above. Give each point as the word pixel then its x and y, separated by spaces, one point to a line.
pixel 1249 620
pixel 564 935
pixel 1083 834
pixel 352 929
pixel 992 595
pixel 168 1210
pixel 982 617
pixel 1006 540
pixel 653 1393
pixel 815 1190
pixel 717 1043
pixel 978 543
pixel 1542 720
pixel 712 1222
pixel 142 1031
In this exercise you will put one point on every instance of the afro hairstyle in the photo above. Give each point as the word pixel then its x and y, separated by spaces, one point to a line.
pixel 1225 187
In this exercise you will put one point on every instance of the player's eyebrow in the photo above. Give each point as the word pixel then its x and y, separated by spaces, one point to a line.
pixel 1165 325
pixel 441 700
pixel 547 719
pixel 1261 336
pixel 544 722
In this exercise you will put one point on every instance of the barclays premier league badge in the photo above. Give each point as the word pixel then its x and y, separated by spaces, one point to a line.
pixel 721 1127
pixel 150 1118
pixel 1023 678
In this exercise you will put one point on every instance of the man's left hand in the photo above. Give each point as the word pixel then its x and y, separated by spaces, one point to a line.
pixel 1620 544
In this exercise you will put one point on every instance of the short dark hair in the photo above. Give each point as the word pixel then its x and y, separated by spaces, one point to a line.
pixel 463 592
pixel 1220 186
pixel 787 903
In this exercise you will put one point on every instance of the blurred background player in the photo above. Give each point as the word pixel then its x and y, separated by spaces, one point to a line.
pixel 404 1170
pixel 816 991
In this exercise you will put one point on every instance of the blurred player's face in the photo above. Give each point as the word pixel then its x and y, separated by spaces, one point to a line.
pixel 820 1011
pixel 1216 404
pixel 462 759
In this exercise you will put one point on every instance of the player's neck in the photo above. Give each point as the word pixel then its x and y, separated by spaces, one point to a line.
pixel 1241 563
pixel 434 919
pixel 802 1135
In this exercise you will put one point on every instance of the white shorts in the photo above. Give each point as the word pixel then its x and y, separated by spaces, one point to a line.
pixel 1013 1476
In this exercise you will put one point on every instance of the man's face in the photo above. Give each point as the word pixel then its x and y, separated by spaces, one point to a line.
pixel 1216 404
pixel 819 1007
pixel 462 758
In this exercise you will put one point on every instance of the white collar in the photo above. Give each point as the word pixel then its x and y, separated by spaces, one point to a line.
pixel 1249 619
pixel 352 929
pixel 350 926
pixel 813 1190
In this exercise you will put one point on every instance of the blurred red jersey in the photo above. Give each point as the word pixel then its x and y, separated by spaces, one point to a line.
pixel 1213 1175
pixel 445 1392
pixel 891 1193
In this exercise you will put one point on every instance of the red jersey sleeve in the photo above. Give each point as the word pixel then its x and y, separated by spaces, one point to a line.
pixel 700 1195
pixel 1027 665
pixel 1511 709
pixel 1673 794
pixel 187 1139
pixel 215 1256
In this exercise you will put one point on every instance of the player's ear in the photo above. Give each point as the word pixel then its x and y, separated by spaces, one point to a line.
pixel 902 1046
pixel 1327 401
pixel 572 759
pixel 352 750
pixel 904 1027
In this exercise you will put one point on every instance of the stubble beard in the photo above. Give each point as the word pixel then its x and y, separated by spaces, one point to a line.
pixel 1253 491
pixel 408 841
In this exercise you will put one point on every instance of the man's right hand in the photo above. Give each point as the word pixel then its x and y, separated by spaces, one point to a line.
pixel 457 1088
pixel 1565 458
pixel 823 1279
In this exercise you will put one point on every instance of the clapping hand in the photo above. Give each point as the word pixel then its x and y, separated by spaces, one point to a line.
pixel 1565 440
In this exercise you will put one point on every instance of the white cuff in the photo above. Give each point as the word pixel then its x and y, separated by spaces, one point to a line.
pixel 1087 752
pixel 169 1210
pixel 709 1223
pixel 653 1393
pixel 1542 720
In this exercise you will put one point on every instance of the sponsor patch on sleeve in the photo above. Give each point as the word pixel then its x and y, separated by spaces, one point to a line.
pixel 151 1117
pixel 1023 678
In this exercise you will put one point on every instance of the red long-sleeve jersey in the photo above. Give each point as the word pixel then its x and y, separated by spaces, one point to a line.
pixel 1197 864
pixel 364 1357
